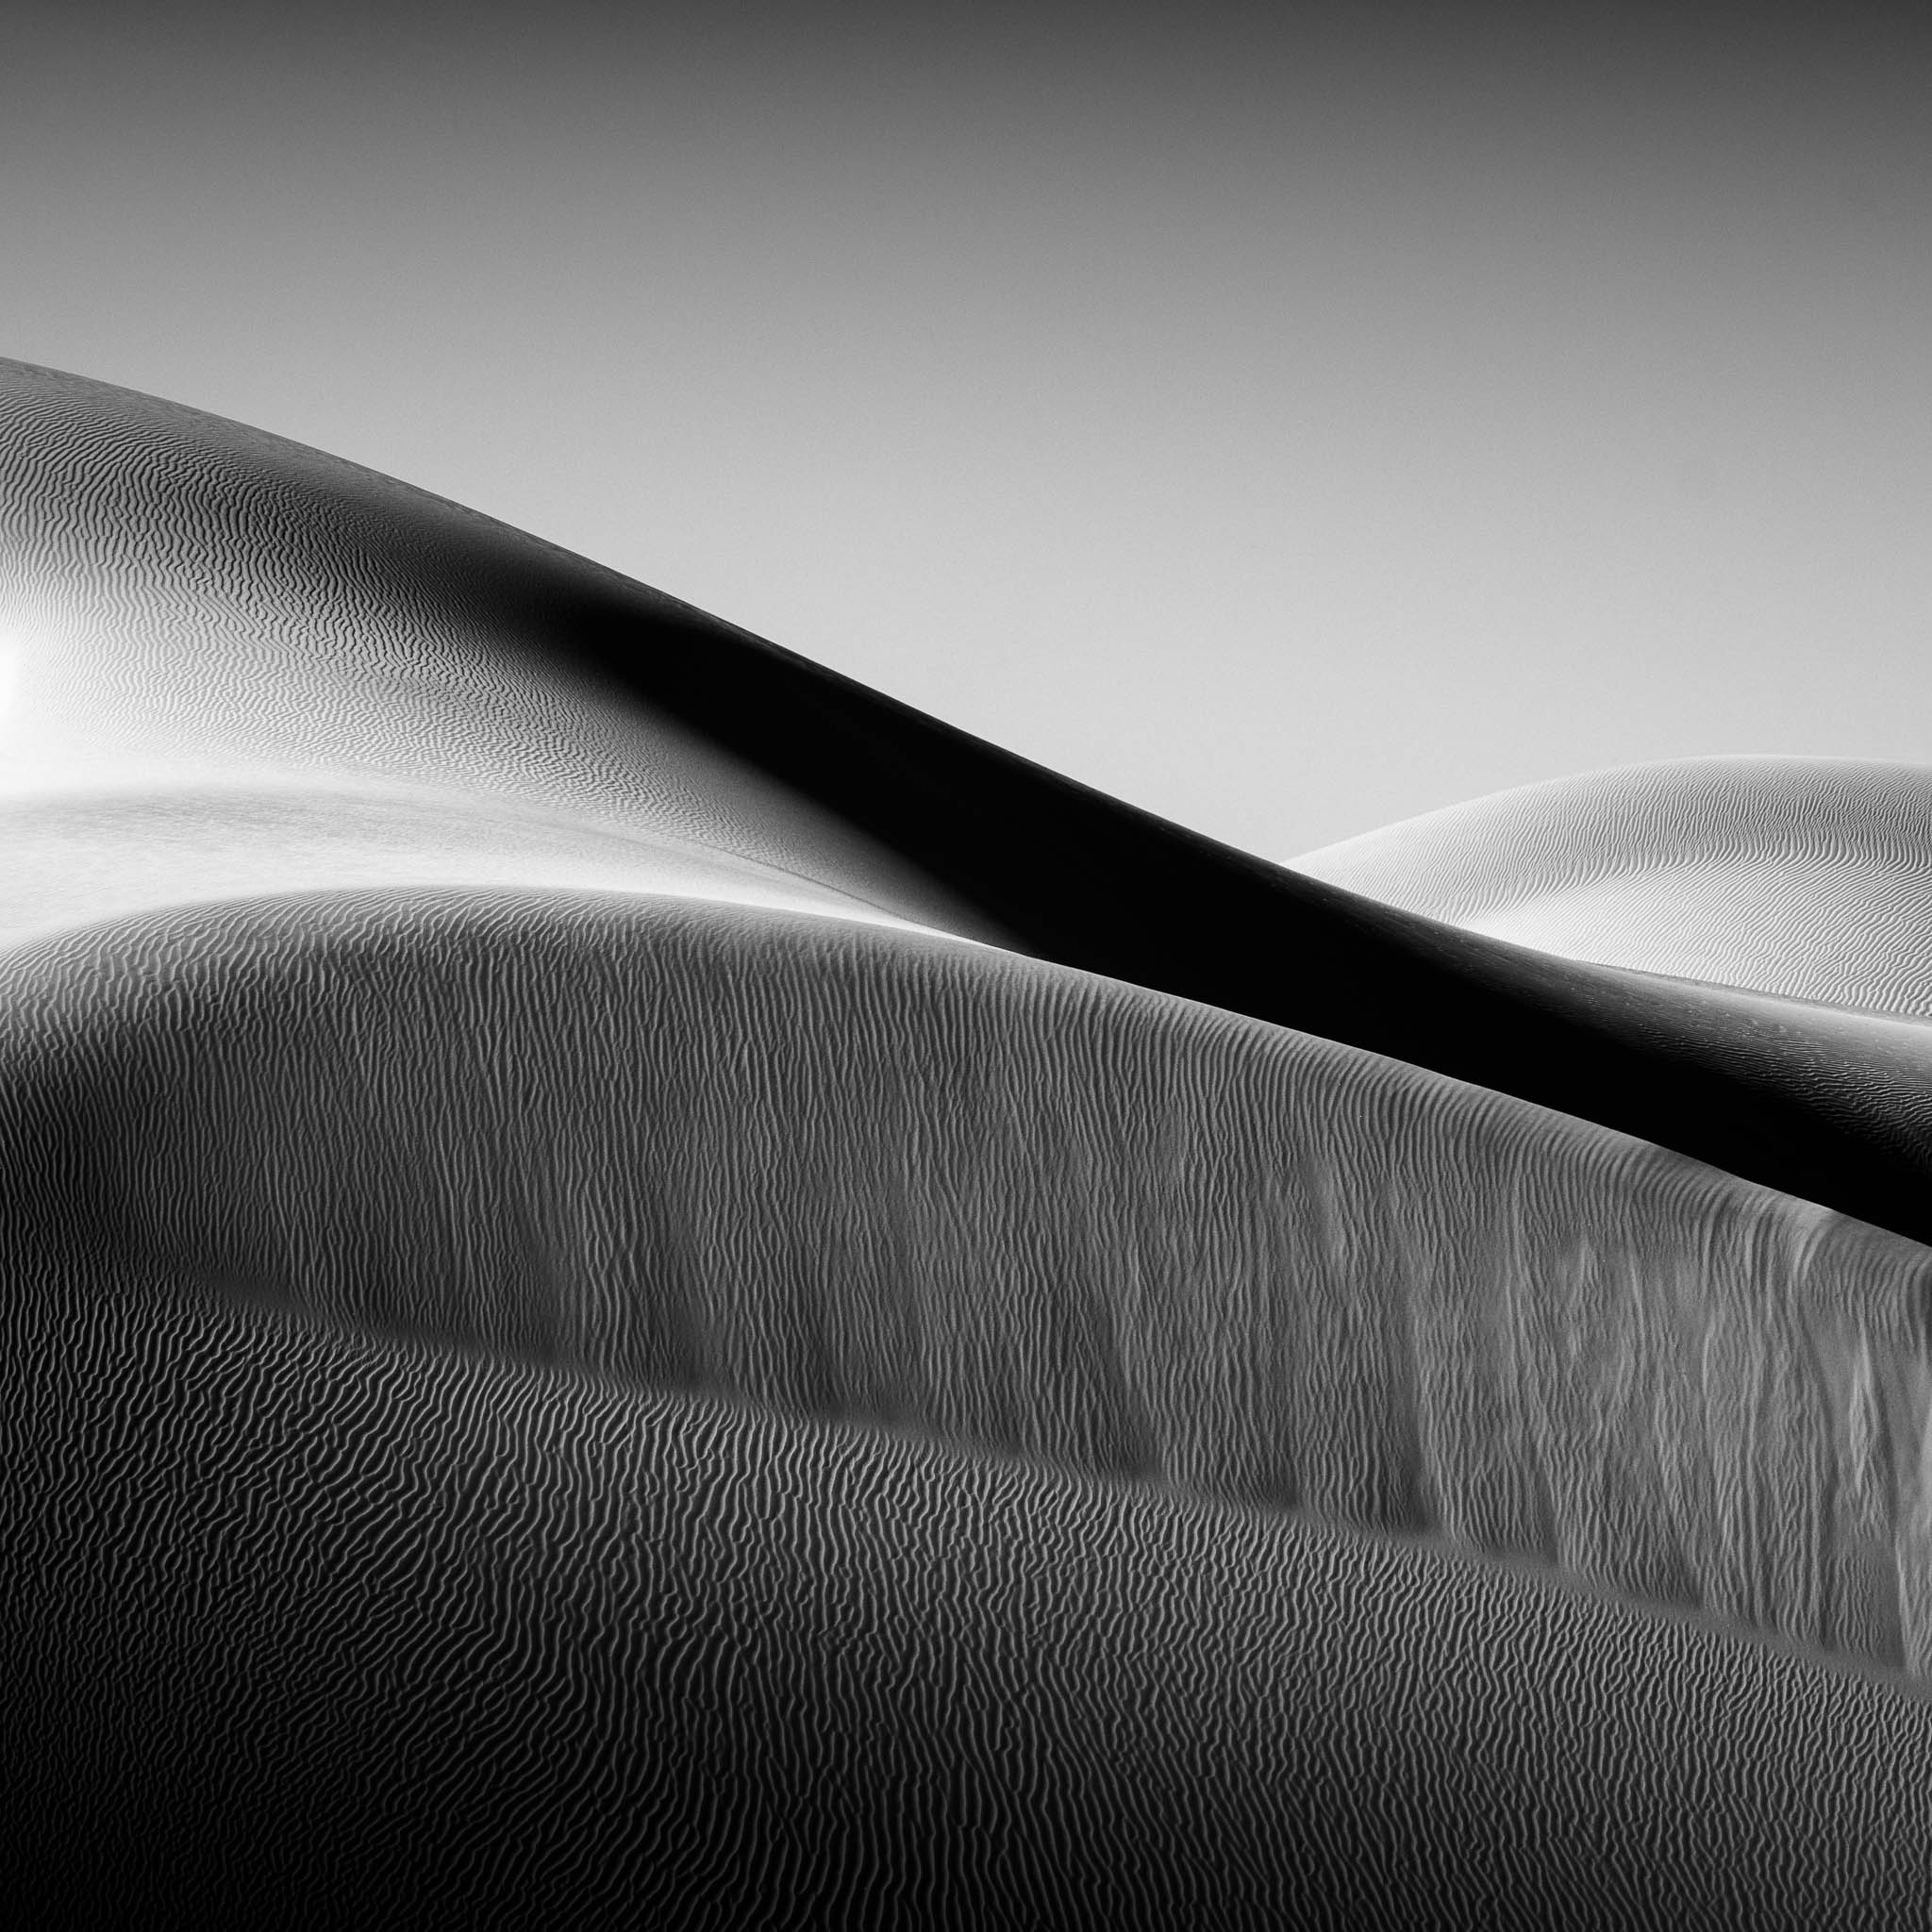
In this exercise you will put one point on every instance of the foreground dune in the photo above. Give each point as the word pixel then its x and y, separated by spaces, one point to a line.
pixel 642 1286
pixel 826 1169
pixel 331 1631
pixel 1810 878
pixel 839 1171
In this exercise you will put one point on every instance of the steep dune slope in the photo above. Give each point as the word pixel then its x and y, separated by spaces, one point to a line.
pixel 324 1600
pixel 1810 878
pixel 193 603
pixel 839 1171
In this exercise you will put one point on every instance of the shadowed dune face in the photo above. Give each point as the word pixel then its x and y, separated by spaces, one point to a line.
pixel 1810 878
pixel 490 1071
pixel 828 1169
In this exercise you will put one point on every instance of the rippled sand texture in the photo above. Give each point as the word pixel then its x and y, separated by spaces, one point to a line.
pixel 804 1164
pixel 614 1321
pixel 229 665
pixel 1810 878
pixel 307 1629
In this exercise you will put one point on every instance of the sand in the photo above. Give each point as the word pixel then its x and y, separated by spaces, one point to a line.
pixel 1810 878
pixel 644 1287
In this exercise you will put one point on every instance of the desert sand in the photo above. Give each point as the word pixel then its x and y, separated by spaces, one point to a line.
pixel 646 1288
pixel 1810 878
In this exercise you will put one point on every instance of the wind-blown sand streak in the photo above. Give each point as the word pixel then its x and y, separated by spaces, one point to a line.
pixel 841 1171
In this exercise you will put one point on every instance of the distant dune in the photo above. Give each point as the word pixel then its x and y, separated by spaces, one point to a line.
pixel 645 1289
pixel 1810 878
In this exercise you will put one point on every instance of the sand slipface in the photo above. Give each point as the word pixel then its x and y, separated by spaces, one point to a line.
pixel 573 1351
pixel 1810 878
pixel 838 1172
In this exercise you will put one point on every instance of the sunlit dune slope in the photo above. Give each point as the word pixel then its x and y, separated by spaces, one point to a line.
pixel 840 1170
pixel 190 607
pixel 1810 878
pixel 316 1629
pixel 221 653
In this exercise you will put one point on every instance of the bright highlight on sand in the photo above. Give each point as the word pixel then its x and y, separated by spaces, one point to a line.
pixel 13 651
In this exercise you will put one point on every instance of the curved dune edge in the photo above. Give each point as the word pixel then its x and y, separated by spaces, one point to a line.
pixel 181 595
pixel 846 1171
pixel 193 613
pixel 1807 877
pixel 75 858
pixel 328 1630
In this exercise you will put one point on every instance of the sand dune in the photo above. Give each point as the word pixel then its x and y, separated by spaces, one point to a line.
pixel 75 856
pixel 328 1631
pixel 1810 878
pixel 203 616
pixel 195 604
pixel 574 1351
pixel 840 1171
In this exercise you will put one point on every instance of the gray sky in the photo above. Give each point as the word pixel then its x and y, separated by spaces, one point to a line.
pixel 1289 420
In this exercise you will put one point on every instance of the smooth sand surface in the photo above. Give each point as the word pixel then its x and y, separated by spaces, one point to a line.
pixel 1810 878
pixel 74 856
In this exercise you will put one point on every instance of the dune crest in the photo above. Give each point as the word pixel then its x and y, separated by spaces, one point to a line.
pixel 193 608
pixel 194 603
